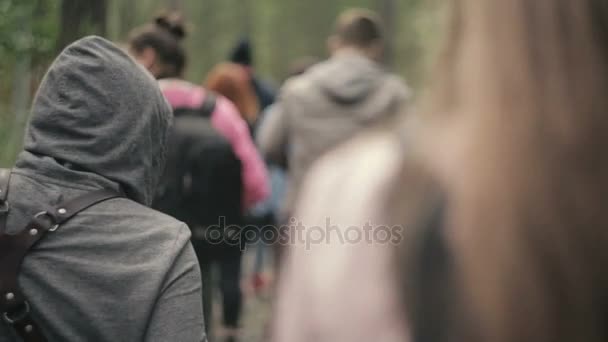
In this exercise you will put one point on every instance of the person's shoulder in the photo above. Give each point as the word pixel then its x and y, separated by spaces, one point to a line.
pixel 223 105
pixel 376 150
pixel 363 170
pixel 398 86
pixel 294 86
pixel 226 115
pixel 177 85
pixel 303 83
pixel 357 172
pixel 180 93
pixel 153 226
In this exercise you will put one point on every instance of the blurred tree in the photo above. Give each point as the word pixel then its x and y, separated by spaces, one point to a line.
pixel 80 18
pixel 245 17
pixel 27 36
pixel 388 12
pixel 174 5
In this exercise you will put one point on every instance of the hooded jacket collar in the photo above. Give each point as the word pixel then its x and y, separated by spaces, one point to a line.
pixel 349 78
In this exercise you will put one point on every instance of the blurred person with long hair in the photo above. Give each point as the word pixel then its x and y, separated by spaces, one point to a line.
pixel 232 81
pixel 499 184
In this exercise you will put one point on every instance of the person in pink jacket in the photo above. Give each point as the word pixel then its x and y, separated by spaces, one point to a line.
pixel 157 47
pixel 226 120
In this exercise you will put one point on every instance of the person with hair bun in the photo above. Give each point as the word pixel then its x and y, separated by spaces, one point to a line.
pixel 205 124
pixel 157 46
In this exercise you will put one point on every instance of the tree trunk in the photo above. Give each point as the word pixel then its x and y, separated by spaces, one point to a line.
pixel 174 5
pixel 247 20
pixel 80 18
pixel 388 12
pixel 21 90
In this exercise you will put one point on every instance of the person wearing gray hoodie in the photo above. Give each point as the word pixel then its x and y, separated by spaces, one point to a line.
pixel 117 271
pixel 333 100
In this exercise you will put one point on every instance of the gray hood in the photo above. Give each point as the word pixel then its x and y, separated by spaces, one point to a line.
pixel 99 119
pixel 338 81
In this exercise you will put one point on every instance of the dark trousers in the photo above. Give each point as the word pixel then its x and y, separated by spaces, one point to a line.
pixel 228 259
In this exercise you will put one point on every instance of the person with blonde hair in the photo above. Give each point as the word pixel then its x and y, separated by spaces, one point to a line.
pixel 333 100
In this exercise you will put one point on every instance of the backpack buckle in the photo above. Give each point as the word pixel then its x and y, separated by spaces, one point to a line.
pixel 50 217
pixel 16 317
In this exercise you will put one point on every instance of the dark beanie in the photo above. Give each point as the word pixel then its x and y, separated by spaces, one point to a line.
pixel 241 54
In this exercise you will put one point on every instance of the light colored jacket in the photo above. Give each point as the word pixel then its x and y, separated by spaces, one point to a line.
pixel 326 106
pixel 342 285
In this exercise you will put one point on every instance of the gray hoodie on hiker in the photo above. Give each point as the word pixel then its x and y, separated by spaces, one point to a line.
pixel 326 106
pixel 117 271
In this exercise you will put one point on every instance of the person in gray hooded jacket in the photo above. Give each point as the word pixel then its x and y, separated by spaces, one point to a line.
pixel 333 100
pixel 117 271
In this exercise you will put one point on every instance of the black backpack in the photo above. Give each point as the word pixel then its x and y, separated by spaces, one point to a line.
pixel 202 183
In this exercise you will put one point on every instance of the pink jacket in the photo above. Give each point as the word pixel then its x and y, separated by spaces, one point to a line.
pixel 228 122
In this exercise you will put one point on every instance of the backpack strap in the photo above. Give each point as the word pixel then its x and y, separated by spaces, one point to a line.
pixel 205 110
pixel 15 310
pixel 5 176
pixel 208 106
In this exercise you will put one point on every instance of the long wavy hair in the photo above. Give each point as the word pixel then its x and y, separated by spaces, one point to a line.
pixel 234 82
pixel 516 135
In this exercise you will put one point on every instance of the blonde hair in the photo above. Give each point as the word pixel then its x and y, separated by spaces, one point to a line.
pixel 359 27
pixel 522 90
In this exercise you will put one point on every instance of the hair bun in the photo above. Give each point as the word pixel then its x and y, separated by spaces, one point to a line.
pixel 172 23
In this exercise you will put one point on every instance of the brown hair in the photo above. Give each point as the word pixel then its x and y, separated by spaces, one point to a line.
pixel 359 27
pixel 520 104
pixel 164 35
pixel 233 81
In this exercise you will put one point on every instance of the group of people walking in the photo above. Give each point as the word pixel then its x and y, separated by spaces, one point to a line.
pixel 133 182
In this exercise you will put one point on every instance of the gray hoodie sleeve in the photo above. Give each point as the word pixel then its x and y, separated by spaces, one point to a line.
pixel 178 314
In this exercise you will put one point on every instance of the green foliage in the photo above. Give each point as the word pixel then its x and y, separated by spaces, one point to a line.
pixel 27 40
pixel 281 31
pixel 27 27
